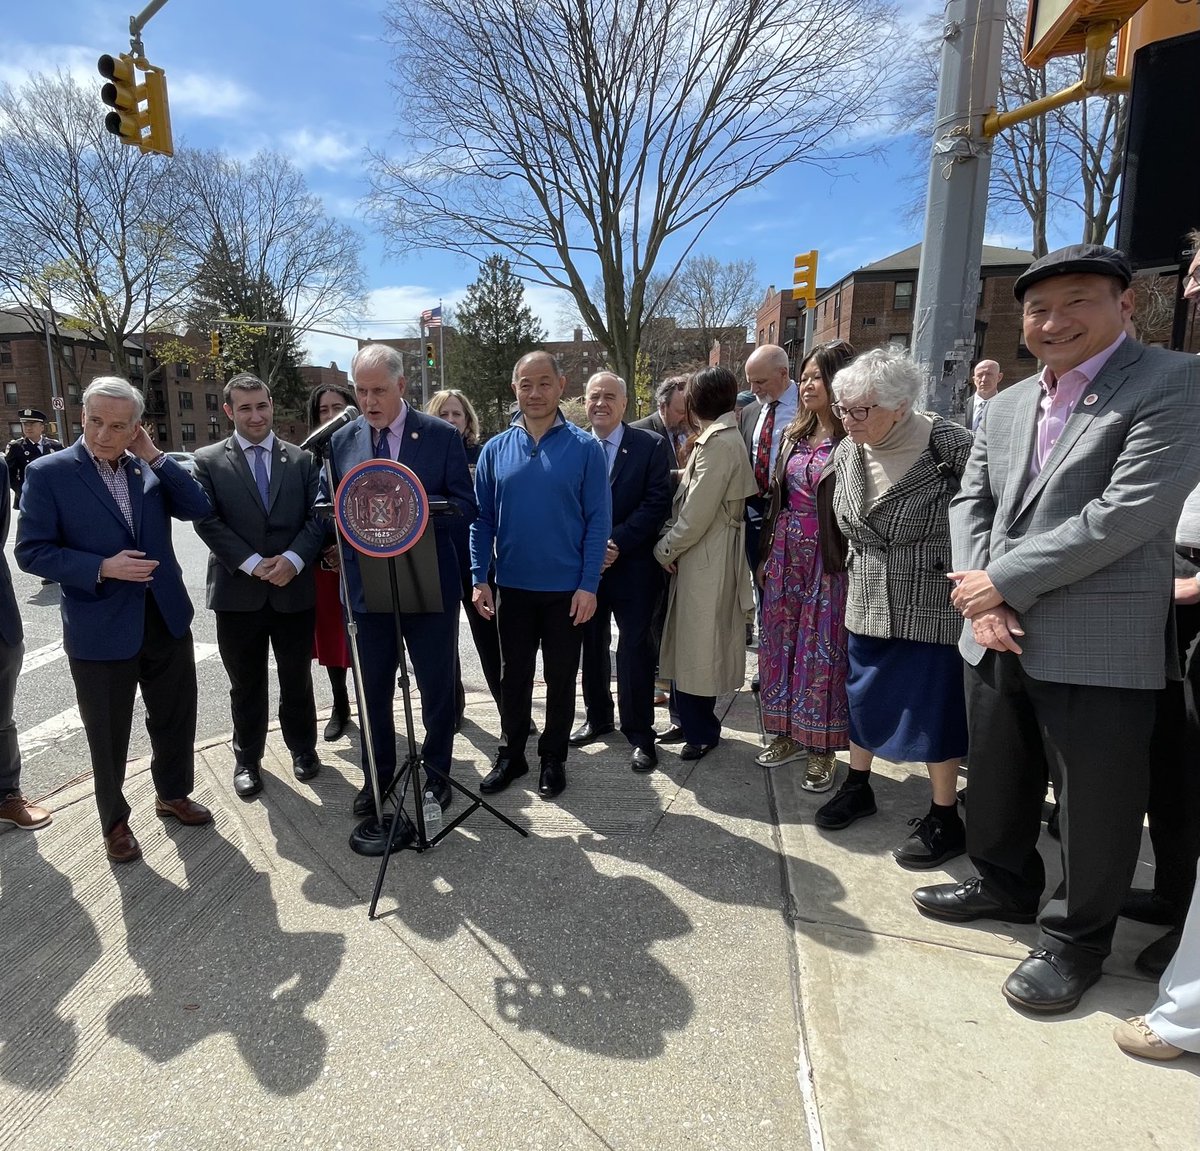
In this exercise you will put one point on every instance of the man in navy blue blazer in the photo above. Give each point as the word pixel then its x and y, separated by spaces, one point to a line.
pixel 96 519
pixel 15 809
pixel 639 476
pixel 390 428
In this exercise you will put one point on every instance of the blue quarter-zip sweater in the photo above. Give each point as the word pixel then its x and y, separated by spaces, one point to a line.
pixel 544 508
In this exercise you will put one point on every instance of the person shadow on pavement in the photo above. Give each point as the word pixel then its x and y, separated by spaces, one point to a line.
pixel 215 959
pixel 48 945
pixel 572 945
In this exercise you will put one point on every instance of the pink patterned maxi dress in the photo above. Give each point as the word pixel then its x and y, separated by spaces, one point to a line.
pixel 802 650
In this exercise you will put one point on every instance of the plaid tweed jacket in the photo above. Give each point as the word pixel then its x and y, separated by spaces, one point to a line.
pixel 1083 552
pixel 900 548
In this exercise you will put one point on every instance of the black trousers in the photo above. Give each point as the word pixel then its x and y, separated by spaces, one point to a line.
pixel 637 656
pixel 242 639
pixel 1094 744
pixel 697 716
pixel 526 621
pixel 486 640
pixel 165 670
pixel 1173 809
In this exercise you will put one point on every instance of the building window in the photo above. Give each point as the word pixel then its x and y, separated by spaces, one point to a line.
pixel 5 352
pixel 762 335
pixel 904 293
pixel 162 433
pixel 76 431
pixel 187 433
pixel 183 370
pixel 868 321
pixel 771 332
pixel 14 430
pixel 1023 353
pixel 10 393
pixel 789 328
pixel 837 307
pixel 899 340
pixel 185 401
pixel 73 393
pixel 210 403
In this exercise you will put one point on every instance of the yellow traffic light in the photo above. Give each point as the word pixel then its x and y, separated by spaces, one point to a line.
pixel 141 115
pixel 430 356
pixel 216 344
pixel 804 279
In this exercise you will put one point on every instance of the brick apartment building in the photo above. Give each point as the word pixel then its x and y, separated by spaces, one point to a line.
pixel 183 397
pixel 873 306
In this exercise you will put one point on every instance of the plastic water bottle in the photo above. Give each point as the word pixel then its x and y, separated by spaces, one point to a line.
pixel 432 811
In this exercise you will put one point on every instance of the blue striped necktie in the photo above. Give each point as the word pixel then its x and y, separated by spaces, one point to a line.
pixel 260 474
pixel 383 450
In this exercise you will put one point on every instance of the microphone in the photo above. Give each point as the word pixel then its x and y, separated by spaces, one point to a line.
pixel 324 433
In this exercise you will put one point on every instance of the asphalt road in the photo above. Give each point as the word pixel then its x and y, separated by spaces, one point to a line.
pixel 53 747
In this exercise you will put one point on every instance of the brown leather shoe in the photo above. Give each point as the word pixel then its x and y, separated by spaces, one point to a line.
pixel 120 844
pixel 185 810
pixel 17 811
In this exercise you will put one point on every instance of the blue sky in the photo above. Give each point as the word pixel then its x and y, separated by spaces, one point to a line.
pixel 310 78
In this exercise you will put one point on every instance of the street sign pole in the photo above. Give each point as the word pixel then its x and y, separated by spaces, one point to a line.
pixel 956 204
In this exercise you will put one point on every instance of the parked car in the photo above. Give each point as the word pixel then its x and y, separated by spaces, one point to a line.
pixel 186 460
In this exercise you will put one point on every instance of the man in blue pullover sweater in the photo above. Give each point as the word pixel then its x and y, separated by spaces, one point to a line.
pixel 545 519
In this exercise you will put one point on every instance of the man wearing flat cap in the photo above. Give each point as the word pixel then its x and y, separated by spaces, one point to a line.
pixel 32 444
pixel 1063 542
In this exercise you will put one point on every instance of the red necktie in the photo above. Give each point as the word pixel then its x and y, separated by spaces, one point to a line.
pixel 762 450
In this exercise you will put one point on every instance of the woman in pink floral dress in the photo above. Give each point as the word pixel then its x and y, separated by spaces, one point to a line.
pixel 802 649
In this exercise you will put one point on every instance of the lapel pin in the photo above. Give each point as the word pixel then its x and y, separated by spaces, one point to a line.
pixel 137 471
pixel 624 451
pixel 416 435
pixel 1090 399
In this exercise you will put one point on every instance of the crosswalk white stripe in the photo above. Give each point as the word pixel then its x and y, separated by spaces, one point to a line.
pixel 41 656
pixel 56 730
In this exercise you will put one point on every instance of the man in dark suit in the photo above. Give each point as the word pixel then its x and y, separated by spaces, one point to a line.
pixel 32 444
pixel 390 429
pixel 639 476
pixel 15 809
pixel 986 383
pixel 264 538
pixel 96 519
pixel 1063 542
pixel 670 419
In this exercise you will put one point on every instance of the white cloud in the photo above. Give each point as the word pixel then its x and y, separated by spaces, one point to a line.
pixel 206 94
pixel 321 149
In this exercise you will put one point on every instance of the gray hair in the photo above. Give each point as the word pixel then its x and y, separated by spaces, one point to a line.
pixel 378 356
pixel 532 355
pixel 597 375
pixel 667 389
pixel 115 388
pixel 888 376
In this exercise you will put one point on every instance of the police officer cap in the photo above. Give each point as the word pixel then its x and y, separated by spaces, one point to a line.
pixel 1095 259
pixel 32 414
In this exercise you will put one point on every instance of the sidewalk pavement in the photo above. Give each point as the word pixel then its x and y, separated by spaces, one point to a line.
pixel 677 960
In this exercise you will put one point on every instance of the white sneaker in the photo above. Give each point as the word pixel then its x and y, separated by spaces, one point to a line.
pixel 783 749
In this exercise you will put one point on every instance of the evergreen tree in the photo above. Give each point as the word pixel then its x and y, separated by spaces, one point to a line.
pixel 495 328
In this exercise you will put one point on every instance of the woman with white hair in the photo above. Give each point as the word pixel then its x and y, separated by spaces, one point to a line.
pixel 895 475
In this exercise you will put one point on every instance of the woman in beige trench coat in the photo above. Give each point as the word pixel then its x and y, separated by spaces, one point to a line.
pixel 703 548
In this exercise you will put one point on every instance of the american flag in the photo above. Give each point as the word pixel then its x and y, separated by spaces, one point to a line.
pixel 432 317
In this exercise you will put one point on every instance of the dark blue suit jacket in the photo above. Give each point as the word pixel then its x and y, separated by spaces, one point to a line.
pixel 641 501
pixel 70 523
pixel 11 630
pixel 433 449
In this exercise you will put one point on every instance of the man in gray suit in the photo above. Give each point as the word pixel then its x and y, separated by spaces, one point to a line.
pixel 264 538
pixel 1063 541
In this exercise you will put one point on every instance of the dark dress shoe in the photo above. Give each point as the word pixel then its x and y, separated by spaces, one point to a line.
pixel 963 902
pixel 1153 960
pixel 364 801
pixel 673 734
pixel 439 785
pixel 589 733
pixel 1146 906
pixel 932 843
pixel 246 780
pixel 336 725
pixel 695 750
pixel 643 760
pixel 1049 983
pixel 553 779
pixel 120 845
pixel 505 771
pixel 305 766
pixel 185 810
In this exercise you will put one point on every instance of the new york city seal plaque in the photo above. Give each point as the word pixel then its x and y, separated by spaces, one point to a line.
pixel 381 508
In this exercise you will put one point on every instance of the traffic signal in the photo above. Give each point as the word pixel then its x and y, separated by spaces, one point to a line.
pixel 141 115
pixel 430 356
pixel 804 279
pixel 216 343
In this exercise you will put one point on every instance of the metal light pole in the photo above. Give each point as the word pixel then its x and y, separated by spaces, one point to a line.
pixel 956 205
